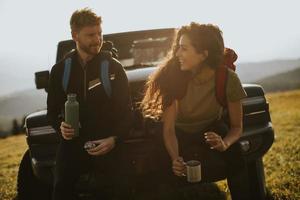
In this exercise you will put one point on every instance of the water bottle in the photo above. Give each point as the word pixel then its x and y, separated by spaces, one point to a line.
pixel 72 113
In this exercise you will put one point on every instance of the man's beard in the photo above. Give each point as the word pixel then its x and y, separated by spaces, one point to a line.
pixel 90 49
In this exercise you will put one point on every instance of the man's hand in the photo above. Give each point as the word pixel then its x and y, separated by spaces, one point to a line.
pixel 179 167
pixel 215 141
pixel 103 146
pixel 67 131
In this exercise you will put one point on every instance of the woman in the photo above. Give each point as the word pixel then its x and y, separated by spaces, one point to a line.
pixel 181 93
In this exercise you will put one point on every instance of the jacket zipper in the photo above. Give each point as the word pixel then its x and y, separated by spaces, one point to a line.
pixel 85 69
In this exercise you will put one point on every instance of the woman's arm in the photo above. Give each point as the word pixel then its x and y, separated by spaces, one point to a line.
pixel 171 141
pixel 169 135
pixel 235 110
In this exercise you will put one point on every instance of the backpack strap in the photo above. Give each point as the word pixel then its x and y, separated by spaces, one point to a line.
pixel 222 75
pixel 104 74
pixel 221 82
pixel 66 76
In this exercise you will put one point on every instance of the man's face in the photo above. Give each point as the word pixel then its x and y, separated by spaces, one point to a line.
pixel 89 39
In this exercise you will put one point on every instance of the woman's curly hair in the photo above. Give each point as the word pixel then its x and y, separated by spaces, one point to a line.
pixel 169 82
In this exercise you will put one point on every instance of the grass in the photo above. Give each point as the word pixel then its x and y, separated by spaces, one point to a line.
pixel 282 162
pixel 11 152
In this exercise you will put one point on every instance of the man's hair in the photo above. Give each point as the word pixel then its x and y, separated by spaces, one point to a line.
pixel 84 17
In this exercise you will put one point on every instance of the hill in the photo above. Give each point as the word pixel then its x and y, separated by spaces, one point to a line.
pixel 281 82
pixel 17 72
pixel 19 104
pixel 254 71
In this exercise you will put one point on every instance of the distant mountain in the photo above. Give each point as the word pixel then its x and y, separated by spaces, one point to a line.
pixel 17 72
pixel 17 105
pixel 252 72
pixel 281 82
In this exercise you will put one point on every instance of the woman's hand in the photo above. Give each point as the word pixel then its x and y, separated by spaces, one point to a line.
pixel 103 146
pixel 179 167
pixel 215 141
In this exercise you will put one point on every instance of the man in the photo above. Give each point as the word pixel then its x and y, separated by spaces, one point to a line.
pixel 104 119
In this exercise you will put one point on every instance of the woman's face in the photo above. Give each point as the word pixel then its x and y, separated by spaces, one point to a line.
pixel 188 57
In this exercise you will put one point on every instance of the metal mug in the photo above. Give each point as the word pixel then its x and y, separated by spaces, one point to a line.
pixel 193 168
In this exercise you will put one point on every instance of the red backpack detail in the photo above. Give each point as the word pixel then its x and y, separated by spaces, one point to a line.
pixel 222 73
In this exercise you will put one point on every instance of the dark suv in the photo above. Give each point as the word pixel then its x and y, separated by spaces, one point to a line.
pixel 139 52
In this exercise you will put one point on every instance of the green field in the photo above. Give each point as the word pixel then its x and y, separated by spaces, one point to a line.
pixel 282 162
pixel 12 150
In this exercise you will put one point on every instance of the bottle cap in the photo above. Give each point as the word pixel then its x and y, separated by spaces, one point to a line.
pixel 72 97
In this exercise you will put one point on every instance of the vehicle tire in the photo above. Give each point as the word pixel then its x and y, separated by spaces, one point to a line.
pixel 28 186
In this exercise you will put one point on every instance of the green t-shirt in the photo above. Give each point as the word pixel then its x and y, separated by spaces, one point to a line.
pixel 199 107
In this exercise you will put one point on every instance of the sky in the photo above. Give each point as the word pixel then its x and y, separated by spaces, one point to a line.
pixel 258 30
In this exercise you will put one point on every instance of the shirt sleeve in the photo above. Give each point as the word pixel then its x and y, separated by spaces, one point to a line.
pixel 234 90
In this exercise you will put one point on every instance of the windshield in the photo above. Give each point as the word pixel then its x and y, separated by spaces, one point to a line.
pixel 144 48
pixel 147 52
